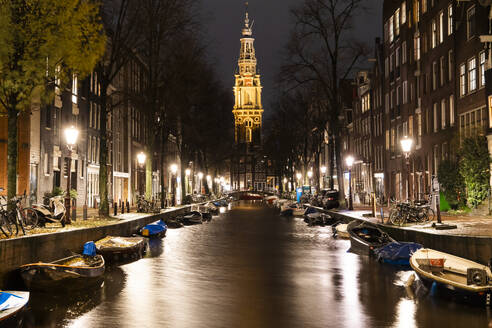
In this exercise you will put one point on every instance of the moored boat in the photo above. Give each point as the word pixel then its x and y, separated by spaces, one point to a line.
pixel 366 237
pixel 11 303
pixel 73 272
pixel 156 229
pixel 116 249
pixel 193 217
pixel 460 276
pixel 397 253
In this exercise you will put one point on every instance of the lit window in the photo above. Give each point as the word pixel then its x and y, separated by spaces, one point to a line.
pixel 416 47
pixel 450 19
pixel 391 29
pixel 482 68
pixel 450 65
pixel 397 22
pixel 434 33
pixel 472 74
pixel 435 117
pixel 443 114
pixel 441 27
pixel 74 88
pixel 462 80
pixel 403 12
pixel 451 110
pixel 424 6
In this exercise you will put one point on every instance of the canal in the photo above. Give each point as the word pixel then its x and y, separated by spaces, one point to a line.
pixel 249 267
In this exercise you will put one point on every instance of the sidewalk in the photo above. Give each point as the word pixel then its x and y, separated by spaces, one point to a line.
pixel 467 225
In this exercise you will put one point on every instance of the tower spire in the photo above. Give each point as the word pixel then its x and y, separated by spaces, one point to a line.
pixel 247 28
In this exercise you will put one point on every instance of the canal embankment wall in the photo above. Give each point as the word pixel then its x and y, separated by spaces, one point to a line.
pixel 475 248
pixel 52 246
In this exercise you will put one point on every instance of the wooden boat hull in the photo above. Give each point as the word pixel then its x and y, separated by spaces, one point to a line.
pixel 362 245
pixel 132 249
pixel 451 281
pixel 58 275
pixel 8 316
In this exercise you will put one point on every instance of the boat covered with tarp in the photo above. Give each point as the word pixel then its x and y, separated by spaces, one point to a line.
pixel 156 229
pixel 11 303
pixel 116 249
pixel 456 276
pixel 397 253
pixel 73 272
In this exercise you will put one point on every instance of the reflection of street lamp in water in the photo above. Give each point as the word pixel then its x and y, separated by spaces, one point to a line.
pixel 349 160
pixel 200 177
pixel 71 135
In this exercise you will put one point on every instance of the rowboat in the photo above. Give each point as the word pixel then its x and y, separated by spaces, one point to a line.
pixel 366 237
pixel 73 272
pixel 193 217
pixel 156 229
pixel 118 249
pixel 11 303
pixel 340 231
pixel 461 277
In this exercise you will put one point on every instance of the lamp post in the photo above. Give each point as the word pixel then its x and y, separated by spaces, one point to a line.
pixel 71 135
pixel 406 146
pixel 200 177
pixel 174 170
pixel 349 160
pixel 188 173
pixel 310 175
pixel 141 157
pixel 323 172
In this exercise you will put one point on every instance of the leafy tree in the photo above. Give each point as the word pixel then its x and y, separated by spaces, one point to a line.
pixel 38 37
pixel 451 181
pixel 475 169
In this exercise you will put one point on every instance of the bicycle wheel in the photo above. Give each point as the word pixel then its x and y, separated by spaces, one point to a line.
pixel 430 214
pixel 5 226
pixel 394 217
pixel 30 218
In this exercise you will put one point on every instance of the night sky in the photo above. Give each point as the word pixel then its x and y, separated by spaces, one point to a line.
pixel 224 19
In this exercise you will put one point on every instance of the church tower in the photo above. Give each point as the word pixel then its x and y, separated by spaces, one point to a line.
pixel 247 110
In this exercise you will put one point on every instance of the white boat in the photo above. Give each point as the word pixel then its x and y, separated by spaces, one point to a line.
pixel 295 208
pixel 341 231
pixel 461 276
pixel 11 302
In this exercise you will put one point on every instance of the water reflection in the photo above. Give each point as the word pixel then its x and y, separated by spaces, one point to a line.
pixel 249 267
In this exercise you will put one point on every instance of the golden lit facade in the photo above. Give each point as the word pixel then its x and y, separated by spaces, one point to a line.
pixel 247 110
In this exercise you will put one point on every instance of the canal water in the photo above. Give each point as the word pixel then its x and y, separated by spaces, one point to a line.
pixel 249 267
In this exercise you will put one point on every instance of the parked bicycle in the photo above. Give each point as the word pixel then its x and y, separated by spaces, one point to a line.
pixel 402 212
pixel 16 217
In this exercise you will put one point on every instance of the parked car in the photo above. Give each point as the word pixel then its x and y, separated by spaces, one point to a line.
pixel 329 198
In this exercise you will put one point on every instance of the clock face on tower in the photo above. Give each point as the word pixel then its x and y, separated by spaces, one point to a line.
pixel 248 109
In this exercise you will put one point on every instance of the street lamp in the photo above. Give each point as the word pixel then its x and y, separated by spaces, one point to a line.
pixel 174 170
pixel 200 177
pixel 188 173
pixel 349 160
pixel 141 158
pixel 71 135
pixel 406 146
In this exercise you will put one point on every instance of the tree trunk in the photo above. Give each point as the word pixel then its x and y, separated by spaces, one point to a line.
pixel 341 193
pixel 12 151
pixel 103 154
pixel 331 162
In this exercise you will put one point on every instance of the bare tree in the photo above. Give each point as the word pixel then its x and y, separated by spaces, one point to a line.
pixel 322 50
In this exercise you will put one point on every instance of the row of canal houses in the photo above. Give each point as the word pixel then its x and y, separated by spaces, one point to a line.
pixel 427 82
pixel 43 152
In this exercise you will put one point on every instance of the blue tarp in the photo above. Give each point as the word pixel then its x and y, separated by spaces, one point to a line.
pixel 8 301
pixel 89 249
pixel 153 229
pixel 396 252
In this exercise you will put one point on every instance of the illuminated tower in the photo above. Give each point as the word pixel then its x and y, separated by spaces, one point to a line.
pixel 247 91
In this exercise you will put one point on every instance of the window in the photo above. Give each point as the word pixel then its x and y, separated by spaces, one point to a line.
pixel 386 31
pixel 450 19
pixel 74 88
pixel 441 27
pixel 387 140
pixel 403 12
pixel 470 22
pixel 387 103
pixel 419 130
pixel 416 8
pixel 416 47
pixel 397 22
pixel 462 80
pixel 472 74
pixel 397 57
pixel 405 92
pixel 391 29
pixel 82 167
pixel 451 110
pixel 434 75
pixel 481 58
pixel 435 117
pixel 443 114
pixel 434 33
pixel 404 52
pixel 386 67
pixel 450 65
pixel 442 70
pixel 424 6
pixel 410 126
pixel 393 140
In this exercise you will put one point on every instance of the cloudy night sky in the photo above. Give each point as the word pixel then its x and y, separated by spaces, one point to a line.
pixel 224 19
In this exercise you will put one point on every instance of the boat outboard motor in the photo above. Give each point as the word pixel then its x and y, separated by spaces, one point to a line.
pixel 475 276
